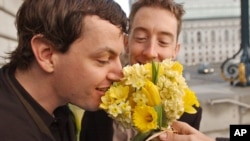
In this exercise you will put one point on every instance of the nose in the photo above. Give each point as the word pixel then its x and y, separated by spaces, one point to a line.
pixel 116 72
pixel 150 51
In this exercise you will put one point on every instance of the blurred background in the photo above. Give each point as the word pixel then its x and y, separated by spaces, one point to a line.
pixel 214 51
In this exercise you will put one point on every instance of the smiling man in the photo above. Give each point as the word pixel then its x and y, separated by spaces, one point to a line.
pixel 152 35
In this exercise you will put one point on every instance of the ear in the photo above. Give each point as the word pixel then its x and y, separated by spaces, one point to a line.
pixel 176 51
pixel 43 52
pixel 126 48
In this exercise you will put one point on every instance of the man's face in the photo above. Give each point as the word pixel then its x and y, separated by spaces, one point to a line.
pixel 153 35
pixel 92 63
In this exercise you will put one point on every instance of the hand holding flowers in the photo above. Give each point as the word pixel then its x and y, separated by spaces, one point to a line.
pixel 149 97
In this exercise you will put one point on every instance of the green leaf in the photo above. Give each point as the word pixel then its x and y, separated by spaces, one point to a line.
pixel 159 109
pixel 164 119
pixel 155 71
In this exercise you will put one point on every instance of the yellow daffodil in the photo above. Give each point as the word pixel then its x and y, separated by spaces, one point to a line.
pixel 189 101
pixel 145 118
pixel 135 75
pixel 177 67
pixel 116 93
pixel 114 110
pixel 119 92
pixel 152 93
pixel 139 98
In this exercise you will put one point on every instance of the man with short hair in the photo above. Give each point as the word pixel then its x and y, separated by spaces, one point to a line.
pixel 68 52
pixel 154 27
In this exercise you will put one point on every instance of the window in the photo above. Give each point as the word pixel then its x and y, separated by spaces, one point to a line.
pixel 226 35
pixel 212 36
pixel 199 37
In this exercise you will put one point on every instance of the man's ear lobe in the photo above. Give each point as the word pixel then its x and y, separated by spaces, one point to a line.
pixel 43 52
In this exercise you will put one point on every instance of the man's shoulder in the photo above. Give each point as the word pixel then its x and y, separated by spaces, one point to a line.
pixel 15 123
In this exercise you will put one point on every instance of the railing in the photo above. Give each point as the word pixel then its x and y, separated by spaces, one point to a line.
pixel 232 101
pixel 229 68
pixel 240 71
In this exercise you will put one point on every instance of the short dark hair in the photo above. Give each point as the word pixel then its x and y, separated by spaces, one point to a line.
pixel 176 8
pixel 59 22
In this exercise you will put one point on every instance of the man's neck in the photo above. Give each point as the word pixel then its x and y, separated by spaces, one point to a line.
pixel 39 87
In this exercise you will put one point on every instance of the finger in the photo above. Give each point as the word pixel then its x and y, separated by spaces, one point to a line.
pixel 164 137
pixel 170 136
pixel 182 128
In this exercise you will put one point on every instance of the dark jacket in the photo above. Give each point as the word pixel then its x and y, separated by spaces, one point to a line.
pixel 23 119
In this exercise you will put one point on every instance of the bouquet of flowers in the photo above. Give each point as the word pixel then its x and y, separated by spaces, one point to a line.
pixel 149 97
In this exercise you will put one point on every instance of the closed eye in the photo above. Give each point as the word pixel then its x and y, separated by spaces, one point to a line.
pixel 140 39
pixel 162 43
pixel 103 61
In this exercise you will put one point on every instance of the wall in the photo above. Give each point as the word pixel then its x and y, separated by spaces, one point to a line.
pixel 8 38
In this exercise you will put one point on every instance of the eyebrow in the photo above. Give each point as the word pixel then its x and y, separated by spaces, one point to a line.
pixel 137 29
pixel 145 30
pixel 107 49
